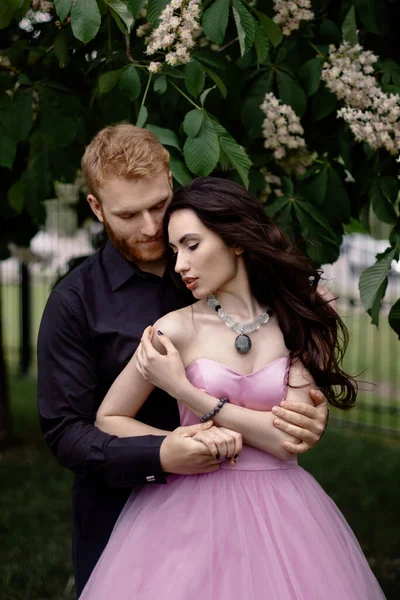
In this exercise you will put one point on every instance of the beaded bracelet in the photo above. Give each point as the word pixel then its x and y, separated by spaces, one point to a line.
pixel 215 410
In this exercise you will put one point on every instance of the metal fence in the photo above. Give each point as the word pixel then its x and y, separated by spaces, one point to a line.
pixel 373 354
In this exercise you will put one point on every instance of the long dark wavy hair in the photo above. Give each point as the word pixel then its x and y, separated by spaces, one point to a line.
pixel 280 276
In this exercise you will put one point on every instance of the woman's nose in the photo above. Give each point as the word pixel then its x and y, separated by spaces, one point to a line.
pixel 181 264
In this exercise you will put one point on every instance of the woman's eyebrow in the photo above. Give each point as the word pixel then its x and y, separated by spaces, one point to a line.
pixel 184 238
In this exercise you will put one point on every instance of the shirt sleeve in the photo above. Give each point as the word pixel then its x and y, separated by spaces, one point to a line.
pixel 67 405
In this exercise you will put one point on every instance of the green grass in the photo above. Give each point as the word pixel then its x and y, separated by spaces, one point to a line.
pixel 35 522
pixel 359 472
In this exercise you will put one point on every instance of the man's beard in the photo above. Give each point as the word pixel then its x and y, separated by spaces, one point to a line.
pixel 136 252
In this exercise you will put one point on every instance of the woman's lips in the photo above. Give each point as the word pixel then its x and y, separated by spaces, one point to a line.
pixel 191 284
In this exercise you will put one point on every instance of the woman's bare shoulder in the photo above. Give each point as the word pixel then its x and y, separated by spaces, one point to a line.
pixel 177 326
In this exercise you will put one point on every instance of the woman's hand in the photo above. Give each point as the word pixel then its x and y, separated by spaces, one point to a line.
pixel 165 371
pixel 221 442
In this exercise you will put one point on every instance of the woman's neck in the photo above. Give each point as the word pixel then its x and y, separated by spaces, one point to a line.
pixel 238 301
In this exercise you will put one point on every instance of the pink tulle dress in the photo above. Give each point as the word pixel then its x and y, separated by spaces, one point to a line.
pixel 260 530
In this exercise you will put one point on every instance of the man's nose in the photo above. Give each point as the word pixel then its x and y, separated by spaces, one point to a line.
pixel 150 226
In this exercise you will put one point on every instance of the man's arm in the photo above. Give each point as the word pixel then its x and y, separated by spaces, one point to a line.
pixel 67 382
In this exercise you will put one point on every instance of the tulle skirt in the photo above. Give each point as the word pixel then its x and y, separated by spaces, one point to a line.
pixel 233 535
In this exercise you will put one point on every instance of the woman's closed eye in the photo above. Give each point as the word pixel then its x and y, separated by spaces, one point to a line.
pixel 192 248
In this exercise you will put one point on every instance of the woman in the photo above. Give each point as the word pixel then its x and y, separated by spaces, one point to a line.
pixel 259 526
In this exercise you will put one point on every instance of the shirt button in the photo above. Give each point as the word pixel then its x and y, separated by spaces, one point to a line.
pixel 150 478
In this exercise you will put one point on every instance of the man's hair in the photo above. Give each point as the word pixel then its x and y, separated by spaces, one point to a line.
pixel 123 151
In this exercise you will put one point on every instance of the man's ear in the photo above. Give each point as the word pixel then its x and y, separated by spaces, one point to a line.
pixel 170 180
pixel 95 206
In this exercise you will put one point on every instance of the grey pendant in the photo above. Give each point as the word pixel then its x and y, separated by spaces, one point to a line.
pixel 243 343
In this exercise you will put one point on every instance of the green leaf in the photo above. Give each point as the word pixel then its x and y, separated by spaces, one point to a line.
pixel 376 307
pixel 123 12
pixel 310 75
pixel 368 15
pixel 251 113
pixel 85 20
pixel 218 82
pixel 19 116
pixel 63 8
pixel 195 78
pixel 394 236
pixel 275 206
pixel 108 80
pixel 192 122
pixel 37 179
pixel 8 148
pixel 215 20
pixel 321 242
pixel 129 83
pixel 61 47
pixel 394 317
pixel 60 117
pixel 261 44
pixel 166 136
pixel 7 10
pixel 142 116
pixel 204 94
pixel 281 211
pixel 179 170
pixel 160 85
pixel 202 152
pixel 135 6
pixel 349 27
pixel 213 59
pixel 271 28
pixel 236 154
pixel 291 93
pixel 373 277
pixel 245 25
pixel 154 9
pixel 16 196
pixel 383 194
pixel 323 103
pixel 316 187
pixel 336 207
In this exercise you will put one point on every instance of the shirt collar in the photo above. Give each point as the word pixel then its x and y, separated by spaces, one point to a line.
pixel 118 268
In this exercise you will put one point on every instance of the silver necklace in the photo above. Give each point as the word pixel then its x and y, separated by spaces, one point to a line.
pixel 242 342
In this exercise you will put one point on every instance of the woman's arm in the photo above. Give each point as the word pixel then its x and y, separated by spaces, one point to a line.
pixel 257 427
pixel 123 401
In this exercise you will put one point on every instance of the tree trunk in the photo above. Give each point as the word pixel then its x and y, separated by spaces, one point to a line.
pixel 5 411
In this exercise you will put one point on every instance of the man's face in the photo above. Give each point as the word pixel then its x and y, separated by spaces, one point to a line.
pixel 132 212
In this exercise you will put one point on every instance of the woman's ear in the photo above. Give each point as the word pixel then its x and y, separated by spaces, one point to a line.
pixel 238 251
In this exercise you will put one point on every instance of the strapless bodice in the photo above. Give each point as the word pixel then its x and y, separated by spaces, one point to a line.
pixel 260 390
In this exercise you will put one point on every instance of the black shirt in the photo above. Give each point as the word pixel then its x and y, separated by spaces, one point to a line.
pixel 91 326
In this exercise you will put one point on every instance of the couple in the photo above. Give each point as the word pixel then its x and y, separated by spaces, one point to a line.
pixel 248 522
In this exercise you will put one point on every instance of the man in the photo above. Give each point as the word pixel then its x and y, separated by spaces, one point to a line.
pixel 91 326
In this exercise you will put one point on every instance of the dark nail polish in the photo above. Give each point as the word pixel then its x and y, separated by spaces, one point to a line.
pixel 159 332
pixel 235 457
pixel 217 456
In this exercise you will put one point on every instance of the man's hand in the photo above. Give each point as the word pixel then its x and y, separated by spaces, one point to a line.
pixel 180 453
pixel 165 371
pixel 305 422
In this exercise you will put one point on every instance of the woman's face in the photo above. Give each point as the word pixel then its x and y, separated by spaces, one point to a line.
pixel 204 262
